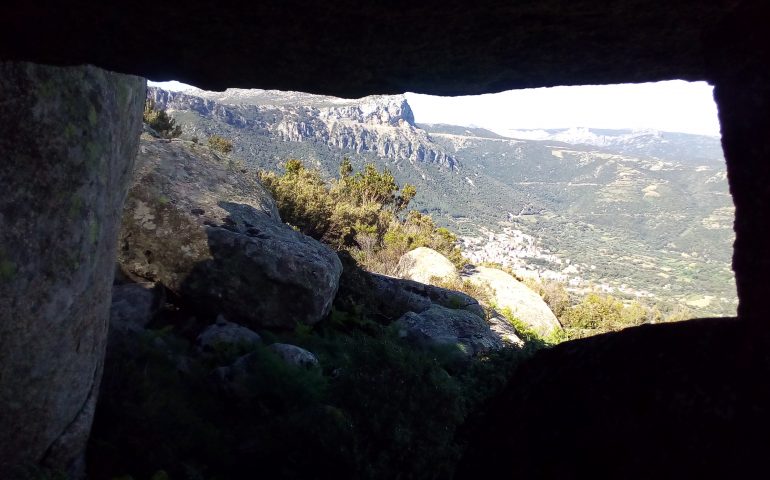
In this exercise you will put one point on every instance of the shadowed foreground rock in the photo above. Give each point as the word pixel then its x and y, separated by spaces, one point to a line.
pixel 681 400
pixel 68 139
pixel 446 48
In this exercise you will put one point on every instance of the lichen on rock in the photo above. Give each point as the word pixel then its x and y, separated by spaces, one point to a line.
pixel 212 234
pixel 68 139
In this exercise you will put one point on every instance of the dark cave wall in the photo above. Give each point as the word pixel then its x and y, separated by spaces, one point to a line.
pixel 350 48
pixel 739 68
pixel 51 349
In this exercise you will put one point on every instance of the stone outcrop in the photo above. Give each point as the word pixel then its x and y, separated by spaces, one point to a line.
pixel 672 400
pixel 507 333
pixel 68 139
pixel 236 380
pixel 426 265
pixel 508 293
pixel 294 355
pixel 388 298
pixel 441 326
pixel 224 334
pixel 493 46
pixel 208 231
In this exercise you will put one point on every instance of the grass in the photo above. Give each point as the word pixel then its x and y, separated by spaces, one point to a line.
pixel 377 407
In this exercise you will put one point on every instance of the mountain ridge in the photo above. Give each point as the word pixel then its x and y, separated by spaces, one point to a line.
pixel 383 125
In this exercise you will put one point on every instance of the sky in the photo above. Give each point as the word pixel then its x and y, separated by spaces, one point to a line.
pixel 676 106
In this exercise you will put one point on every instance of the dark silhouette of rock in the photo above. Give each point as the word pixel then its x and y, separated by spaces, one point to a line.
pixel 68 140
pixel 134 306
pixel 679 400
pixel 350 49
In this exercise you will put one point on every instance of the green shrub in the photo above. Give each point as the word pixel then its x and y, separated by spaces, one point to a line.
pixel 378 408
pixel 604 313
pixel 391 392
pixel 359 212
pixel 302 198
pixel 675 313
pixel 157 119
pixel 220 144
pixel 553 294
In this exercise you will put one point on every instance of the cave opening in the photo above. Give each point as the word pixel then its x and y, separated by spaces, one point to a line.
pixel 618 190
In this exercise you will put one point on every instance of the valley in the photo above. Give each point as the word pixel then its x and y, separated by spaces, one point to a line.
pixel 642 215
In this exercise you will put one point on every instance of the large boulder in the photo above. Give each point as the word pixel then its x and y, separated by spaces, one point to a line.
pixel 207 230
pixel 439 326
pixel 503 329
pixel 224 334
pixel 426 265
pixel 507 292
pixel 68 139
pixel 294 355
pixel 388 298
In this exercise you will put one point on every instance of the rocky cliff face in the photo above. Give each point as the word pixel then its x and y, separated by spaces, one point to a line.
pixel 380 124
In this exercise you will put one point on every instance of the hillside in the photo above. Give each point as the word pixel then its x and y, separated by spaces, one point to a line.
pixel 638 213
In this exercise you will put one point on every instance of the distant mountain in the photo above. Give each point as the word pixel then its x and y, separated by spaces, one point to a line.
pixel 637 213
pixel 444 129
pixel 682 147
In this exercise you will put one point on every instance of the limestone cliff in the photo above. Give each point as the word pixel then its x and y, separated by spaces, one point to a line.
pixel 379 124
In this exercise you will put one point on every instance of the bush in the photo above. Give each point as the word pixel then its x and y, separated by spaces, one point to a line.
pixel 553 293
pixel 157 119
pixel 603 313
pixel 220 144
pixel 391 391
pixel 361 213
pixel 369 412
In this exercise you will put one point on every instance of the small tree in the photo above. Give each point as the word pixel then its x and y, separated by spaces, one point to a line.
pixel 157 119
pixel 220 144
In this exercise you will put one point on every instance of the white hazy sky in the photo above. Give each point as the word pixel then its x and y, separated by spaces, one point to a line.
pixel 675 105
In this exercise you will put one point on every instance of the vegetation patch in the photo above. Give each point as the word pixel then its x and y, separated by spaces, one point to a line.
pixel 220 144
pixel 376 408
pixel 157 119
pixel 364 213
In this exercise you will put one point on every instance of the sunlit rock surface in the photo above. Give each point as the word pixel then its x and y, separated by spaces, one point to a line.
pixel 205 228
